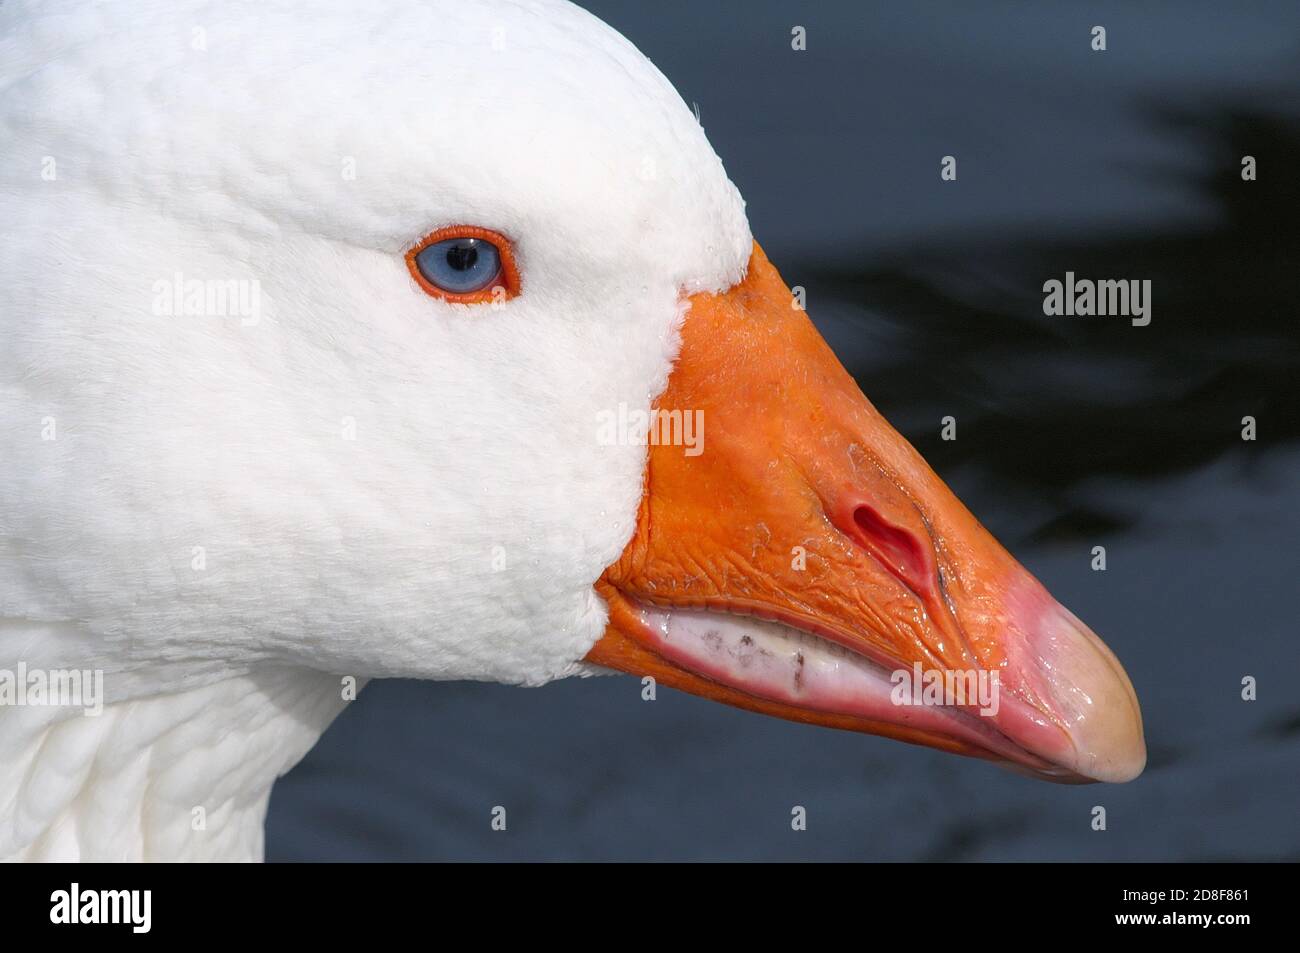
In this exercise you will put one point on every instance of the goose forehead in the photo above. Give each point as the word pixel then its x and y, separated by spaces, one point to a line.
pixel 372 123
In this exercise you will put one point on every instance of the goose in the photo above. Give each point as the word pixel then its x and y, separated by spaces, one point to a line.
pixel 424 338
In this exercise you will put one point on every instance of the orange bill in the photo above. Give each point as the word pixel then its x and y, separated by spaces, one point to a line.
pixel 798 558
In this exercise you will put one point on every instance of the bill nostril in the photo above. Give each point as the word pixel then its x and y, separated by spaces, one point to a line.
pixel 897 549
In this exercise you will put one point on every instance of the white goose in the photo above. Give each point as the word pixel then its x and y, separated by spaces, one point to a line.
pixel 464 243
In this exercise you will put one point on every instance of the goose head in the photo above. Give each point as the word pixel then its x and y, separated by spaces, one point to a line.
pixel 333 338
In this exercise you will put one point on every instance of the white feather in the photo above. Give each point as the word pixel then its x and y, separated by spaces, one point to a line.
pixel 459 534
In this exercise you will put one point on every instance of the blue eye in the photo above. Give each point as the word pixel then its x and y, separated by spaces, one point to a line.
pixel 460 265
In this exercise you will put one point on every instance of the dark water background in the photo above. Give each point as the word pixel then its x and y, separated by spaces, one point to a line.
pixel 1073 432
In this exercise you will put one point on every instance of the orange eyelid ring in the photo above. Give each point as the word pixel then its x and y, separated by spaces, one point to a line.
pixel 508 280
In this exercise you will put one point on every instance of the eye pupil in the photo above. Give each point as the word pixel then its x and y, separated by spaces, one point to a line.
pixel 462 254
pixel 460 265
